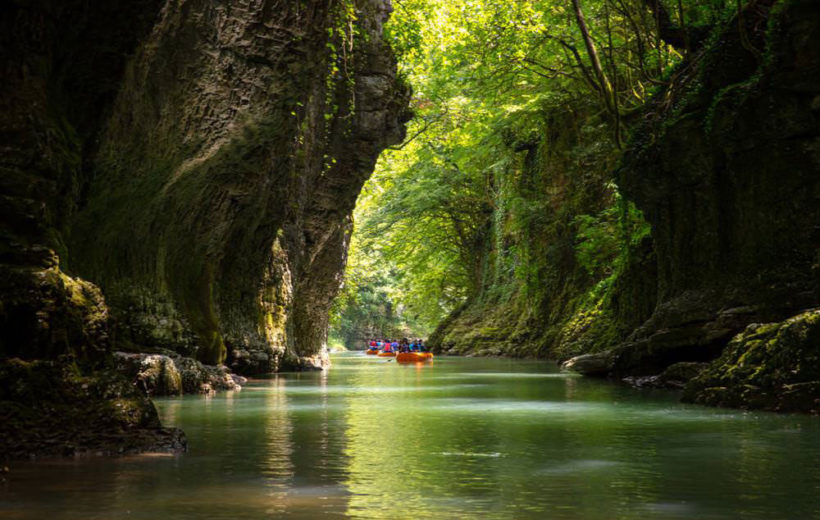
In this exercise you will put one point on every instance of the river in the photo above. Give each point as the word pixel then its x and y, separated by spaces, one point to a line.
pixel 457 438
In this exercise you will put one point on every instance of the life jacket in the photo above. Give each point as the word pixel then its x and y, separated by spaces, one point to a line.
pixel 372 344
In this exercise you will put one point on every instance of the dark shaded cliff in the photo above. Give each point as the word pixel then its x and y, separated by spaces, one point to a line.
pixel 198 162
pixel 729 177
pixel 727 174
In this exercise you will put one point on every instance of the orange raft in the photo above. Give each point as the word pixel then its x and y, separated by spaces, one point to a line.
pixel 371 351
pixel 387 354
pixel 413 357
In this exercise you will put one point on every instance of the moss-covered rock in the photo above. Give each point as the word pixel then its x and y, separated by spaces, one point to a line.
pixel 46 313
pixel 773 366
pixel 158 375
pixel 53 408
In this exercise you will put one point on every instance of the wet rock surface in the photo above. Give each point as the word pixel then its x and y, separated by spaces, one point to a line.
pixel 597 364
pixel 674 377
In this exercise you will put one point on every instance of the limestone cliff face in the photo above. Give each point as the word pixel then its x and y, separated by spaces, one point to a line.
pixel 192 164
pixel 218 214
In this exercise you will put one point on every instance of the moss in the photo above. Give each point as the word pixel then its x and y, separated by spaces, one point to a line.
pixel 561 238
pixel 773 366
pixel 591 328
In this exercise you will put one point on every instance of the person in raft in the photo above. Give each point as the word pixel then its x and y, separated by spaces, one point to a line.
pixel 404 346
pixel 372 344
pixel 420 344
pixel 387 346
pixel 395 345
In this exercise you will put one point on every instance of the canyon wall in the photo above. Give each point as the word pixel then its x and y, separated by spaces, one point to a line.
pixel 539 296
pixel 218 216
pixel 724 168
pixel 728 174
pixel 178 177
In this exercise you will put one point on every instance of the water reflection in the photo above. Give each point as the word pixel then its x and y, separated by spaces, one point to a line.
pixel 461 438
pixel 275 457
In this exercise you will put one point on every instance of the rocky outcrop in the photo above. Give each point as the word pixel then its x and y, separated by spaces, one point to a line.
pixel 595 364
pixel 773 366
pixel 55 408
pixel 158 374
pixel 196 162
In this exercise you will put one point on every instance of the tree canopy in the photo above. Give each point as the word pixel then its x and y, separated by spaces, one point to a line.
pixel 493 79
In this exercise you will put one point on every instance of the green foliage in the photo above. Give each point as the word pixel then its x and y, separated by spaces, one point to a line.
pixel 604 239
pixel 367 305
pixel 502 196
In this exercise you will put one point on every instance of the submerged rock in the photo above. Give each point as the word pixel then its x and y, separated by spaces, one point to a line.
pixel 773 366
pixel 674 377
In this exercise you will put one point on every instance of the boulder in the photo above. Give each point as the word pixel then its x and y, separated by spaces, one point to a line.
pixel 773 366
pixel 597 364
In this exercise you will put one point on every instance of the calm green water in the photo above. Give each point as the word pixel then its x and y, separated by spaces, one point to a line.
pixel 461 438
